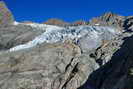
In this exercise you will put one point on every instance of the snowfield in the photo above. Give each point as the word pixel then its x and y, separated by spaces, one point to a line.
pixel 54 34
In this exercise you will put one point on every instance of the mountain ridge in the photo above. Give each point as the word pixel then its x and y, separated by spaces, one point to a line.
pixel 56 55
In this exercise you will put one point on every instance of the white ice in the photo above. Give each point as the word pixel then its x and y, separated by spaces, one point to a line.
pixel 54 34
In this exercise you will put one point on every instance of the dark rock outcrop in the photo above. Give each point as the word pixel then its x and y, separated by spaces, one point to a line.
pixel 80 22
pixel 115 60
pixel 117 73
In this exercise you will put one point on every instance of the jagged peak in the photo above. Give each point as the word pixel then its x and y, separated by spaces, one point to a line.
pixel 108 19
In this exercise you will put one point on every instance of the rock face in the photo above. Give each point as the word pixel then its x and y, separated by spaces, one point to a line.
pixel 57 22
pixel 108 19
pixel 94 56
pixel 47 66
pixel 117 73
pixel 6 17
pixel 115 60
pixel 80 22
pixel 11 36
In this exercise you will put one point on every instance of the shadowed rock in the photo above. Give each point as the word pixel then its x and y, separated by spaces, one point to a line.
pixel 117 73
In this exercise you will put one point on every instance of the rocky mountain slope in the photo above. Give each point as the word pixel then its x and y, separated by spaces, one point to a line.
pixel 94 55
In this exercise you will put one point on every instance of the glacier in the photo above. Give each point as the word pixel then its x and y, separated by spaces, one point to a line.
pixel 54 34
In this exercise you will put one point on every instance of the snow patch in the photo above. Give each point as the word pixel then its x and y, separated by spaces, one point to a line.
pixel 97 24
pixel 16 23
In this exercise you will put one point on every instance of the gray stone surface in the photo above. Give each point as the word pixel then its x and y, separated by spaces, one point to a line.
pixel 11 36
pixel 47 66
pixel 6 17
pixel 92 62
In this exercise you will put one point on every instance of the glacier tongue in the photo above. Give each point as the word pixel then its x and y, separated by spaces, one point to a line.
pixel 54 34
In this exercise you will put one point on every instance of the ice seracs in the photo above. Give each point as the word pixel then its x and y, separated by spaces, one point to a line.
pixel 54 34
